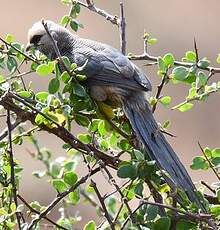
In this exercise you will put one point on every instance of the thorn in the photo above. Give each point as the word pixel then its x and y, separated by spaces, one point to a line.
pixel 196 50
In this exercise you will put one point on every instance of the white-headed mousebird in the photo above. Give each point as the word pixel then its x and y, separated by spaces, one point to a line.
pixel 111 76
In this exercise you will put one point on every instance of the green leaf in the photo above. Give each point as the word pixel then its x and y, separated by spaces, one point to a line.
pixel 39 119
pixel 44 70
pixel 66 62
pixel 199 163
pixel 9 38
pixel 218 59
pixel 152 211
pixel 190 56
pixel 65 77
pixel 59 185
pixel 216 161
pixel 216 152
pixel 42 96
pixel 90 226
pixel 11 64
pixel 180 73
pixel 185 107
pixel 161 65
pixel 139 188
pixel 82 120
pixel 162 224
pixel 104 144
pixel 70 178
pixel 186 225
pixel 85 138
pixel 166 124
pixel 152 41
pixel 74 197
pixel 165 100
pixel 74 25
pixel 64 20
pixel 54 85
pixel 127 171
pixel 204 63
pixel 79 90
pixel 202 78
pixel 169 60
pixel 139 155
pixel 81 77
pixel 66 2
pixel 25 94
pixel 94 125
pixel 103 128
pixel 124 144
pixel 77 8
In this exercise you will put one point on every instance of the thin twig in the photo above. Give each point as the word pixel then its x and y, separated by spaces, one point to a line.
pixel 61 132
pixel 196 51
pixel 102 202
pixel 37 212
pixel 123 198
pixel 13 126
pixel 148 57
pixel 159 90
pixel 113 19
pixel 122 29
pixel 58 54
pixel 209 162
pixel 91 201
pixel 19 51
pixel 207 186
pixel 12 165
pixel 59 197
pixel 186 215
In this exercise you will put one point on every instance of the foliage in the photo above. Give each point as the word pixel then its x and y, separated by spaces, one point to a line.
pixel 101 146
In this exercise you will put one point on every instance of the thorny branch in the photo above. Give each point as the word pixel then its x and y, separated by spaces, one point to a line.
pixel 122 29
pixel 37 212
pixel 113 19
pixel 185 215
pixel 102 202
pixel 12 165
pixel 8 102
pixel 60 197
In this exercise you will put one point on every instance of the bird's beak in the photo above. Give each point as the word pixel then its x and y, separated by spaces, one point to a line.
pixel 29 46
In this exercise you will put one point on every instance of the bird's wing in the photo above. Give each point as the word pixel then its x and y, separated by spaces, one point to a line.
pixel 107 66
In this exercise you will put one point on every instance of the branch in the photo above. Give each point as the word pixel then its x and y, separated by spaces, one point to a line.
pixel 186 215
pixel 123 198
pixel 122 29
pixel 59 197
pixel 113 19
pixel 61 132
pixel 59 57
pixel 19 51
pixel 102 202
pixel 159 89
pixel 12 165
pixel 13 126
pixel 147 57
pixel 37 212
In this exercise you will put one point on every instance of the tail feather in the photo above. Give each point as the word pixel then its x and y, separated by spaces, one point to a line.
pixel 145 126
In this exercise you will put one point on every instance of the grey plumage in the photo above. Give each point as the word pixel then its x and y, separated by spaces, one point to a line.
pixel 111 76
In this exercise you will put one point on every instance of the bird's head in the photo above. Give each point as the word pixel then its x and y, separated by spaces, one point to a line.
pixel 39 39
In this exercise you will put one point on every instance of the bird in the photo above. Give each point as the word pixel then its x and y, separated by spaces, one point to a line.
pixel 113 79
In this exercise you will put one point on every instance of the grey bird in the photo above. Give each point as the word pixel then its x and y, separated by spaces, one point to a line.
pixel 112 77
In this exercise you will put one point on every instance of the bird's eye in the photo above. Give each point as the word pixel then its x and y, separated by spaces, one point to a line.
pixel 35 39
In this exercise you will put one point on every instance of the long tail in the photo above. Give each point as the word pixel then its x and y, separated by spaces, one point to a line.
pixel 142 121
